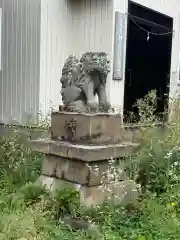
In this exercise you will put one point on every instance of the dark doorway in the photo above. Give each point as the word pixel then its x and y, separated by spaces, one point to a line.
pixel 148 57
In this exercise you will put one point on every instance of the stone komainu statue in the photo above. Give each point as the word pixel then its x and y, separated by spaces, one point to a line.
pixel 82 80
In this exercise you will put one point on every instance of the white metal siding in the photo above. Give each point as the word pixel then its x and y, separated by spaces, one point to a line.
pixel 19 80
pixel 92 22
pixel 71 27
pixel 55 48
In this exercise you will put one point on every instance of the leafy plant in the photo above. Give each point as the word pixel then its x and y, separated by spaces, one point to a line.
pixel 29 212
pixel 66 200
pixel 147 107
pixel 32 193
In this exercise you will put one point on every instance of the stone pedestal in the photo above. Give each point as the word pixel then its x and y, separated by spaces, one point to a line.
pixel 78 154
pixel 99 128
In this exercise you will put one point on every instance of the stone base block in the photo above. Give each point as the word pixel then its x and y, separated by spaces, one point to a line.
pixel 87 128
pixel 91 174
pixel 87 153
pixel 123 191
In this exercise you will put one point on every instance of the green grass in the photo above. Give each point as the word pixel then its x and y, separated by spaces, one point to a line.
pixel 29 212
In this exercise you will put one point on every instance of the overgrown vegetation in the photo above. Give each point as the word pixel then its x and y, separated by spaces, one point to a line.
pixel 29 212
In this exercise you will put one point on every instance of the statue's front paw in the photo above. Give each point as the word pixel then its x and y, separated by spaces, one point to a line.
pixel 92 105
pixel 105 106
pixel 77 106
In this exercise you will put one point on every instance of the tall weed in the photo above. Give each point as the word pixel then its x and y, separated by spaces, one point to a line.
pixel 156 167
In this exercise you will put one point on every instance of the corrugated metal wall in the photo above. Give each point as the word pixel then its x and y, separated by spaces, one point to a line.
pixel 92 25
pixel 69 26
pixel 55 47
pixel 37 37
pixel 19 79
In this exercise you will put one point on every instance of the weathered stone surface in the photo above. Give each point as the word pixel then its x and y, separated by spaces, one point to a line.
pixel 97 128
pixel 52 183
pixel 65 169
pixel 84 152
pixel 96 172
pixel 54 166
pixel 124 191
pixel 77 172
pixel 91 174
pixel 43 145
pixel 49 165
pixel 99 171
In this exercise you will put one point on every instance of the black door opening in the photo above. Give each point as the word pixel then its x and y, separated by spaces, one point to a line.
pixel 148 57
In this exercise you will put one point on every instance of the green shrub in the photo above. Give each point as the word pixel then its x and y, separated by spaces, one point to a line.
pixel 32 193
pixel 29 212
pixel 66 200
pixel 146 108
pixel 156 167
pixel 18 164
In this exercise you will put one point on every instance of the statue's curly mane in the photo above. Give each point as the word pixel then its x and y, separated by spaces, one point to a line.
pixel 95 62
pixel 84 78
pixel 69 64
pixel 88 64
